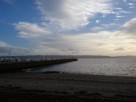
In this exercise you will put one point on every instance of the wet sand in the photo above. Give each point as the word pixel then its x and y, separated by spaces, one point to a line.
pixel 65 87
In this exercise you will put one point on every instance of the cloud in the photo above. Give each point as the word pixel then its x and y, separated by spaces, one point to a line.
pixel 97 21
pixel 30 30
pixel 119 16
pixel 2 44
pixel 94 43
pixel 102 42
pixel 98 43
pixel 105 27
pixel 125 0
pixel 15 51
pixel 130 27
pixel 119 49
pixel 72 14
pixel 4 48
pixel 131 4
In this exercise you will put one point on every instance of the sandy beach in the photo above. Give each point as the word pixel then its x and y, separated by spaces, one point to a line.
pixel 65 87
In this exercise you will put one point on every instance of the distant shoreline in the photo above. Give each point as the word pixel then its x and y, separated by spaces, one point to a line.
pixel 70 56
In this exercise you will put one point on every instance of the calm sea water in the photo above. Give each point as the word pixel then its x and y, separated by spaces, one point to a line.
pixel 97 66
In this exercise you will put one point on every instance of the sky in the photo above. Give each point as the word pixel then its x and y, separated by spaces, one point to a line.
pixel 64 27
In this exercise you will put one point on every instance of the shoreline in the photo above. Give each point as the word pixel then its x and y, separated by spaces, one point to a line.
pixel 61 86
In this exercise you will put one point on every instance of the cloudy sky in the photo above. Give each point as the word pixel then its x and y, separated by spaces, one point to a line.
pixel 86 27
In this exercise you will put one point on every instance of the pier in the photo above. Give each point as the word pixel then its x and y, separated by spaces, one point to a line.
pixel 19 66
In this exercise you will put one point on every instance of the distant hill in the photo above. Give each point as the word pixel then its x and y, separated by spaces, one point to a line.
pixel 91 56
pixel 125 56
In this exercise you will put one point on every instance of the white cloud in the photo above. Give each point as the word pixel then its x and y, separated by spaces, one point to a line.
pixel 2 44
pixel 30 30
pixel 131 4
pixel 119 16
pixel 103 42
pixel 14 50
pixel 72 14
pixel 98 21
pixel 130 27
pixel 125 0
pixel 98 43
pixel 68 15
pixel 132 7
pixel 105 27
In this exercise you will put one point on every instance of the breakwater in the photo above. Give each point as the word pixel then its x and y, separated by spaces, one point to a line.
pixel 18 66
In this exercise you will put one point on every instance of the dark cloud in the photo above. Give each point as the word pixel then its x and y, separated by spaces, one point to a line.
pixel 119 49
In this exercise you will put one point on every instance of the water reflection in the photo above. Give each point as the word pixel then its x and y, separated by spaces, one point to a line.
pixel 99 66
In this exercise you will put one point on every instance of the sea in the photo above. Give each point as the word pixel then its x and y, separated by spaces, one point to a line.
pixel 111 66
pixel 96 66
